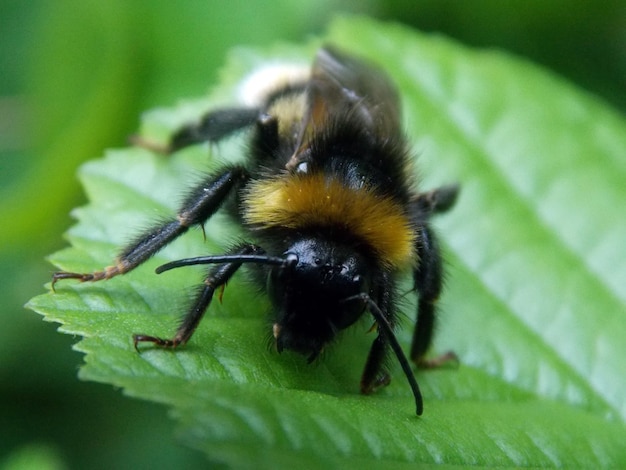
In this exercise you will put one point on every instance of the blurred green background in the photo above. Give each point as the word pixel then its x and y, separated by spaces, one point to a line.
pixel 74 78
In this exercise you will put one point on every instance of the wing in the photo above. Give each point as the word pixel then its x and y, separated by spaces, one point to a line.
pixel 341 85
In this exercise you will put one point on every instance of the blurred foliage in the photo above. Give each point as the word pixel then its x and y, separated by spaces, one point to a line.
pixel 74 78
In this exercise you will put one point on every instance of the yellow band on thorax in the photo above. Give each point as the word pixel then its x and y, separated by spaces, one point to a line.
pixel 305 200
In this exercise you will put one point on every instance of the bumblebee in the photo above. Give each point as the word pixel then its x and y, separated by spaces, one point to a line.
pixel 327 200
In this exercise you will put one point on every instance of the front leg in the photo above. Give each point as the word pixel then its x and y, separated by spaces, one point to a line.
pixel 198 207
pixel 218 276
pixel 375 374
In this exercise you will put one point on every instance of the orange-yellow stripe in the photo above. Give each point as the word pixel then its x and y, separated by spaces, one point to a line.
pixel 295 201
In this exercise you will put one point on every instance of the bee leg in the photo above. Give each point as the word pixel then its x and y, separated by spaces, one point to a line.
pixel 428 282
pixel 374 374
pixel 213 127
pixel 199 206
pixel 218 276
pixel 435 201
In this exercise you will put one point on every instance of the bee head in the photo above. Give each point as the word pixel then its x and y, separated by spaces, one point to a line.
pixel 309 295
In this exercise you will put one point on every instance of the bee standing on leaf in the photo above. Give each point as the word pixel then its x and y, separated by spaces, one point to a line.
pixel 327 201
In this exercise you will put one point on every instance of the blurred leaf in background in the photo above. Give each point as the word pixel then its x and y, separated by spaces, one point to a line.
pixel 581 41
pixel 74 78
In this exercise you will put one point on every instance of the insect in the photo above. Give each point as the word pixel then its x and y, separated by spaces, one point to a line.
pixel 327 200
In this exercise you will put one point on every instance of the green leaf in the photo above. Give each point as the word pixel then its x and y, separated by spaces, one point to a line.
pixel 534 306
